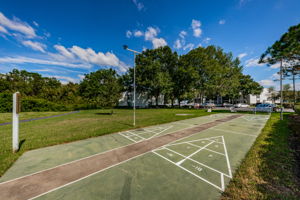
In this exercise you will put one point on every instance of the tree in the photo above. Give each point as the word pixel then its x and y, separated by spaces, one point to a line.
pixel 249 86
pixel 287 51
pixel 101 88
pixel 273 96
pixel 126 81
pixel 217 72
pixel 152 72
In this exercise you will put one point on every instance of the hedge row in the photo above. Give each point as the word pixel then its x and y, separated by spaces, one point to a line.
pixel 297 109
pixel 29 104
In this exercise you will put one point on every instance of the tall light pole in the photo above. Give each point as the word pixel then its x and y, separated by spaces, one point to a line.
pixel 281 96
pixel 134 54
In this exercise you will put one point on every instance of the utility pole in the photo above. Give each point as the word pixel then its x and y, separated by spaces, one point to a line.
pixel 134 88
pixel 281 94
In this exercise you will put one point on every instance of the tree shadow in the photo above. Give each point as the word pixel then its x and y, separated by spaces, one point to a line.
pixel 107 113
pixel 126 191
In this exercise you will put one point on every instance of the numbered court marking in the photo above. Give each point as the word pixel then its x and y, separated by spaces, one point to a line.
pixel 143 134
pixel 205 158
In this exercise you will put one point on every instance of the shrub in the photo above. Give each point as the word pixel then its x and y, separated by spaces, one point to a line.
pixel 5 102
pixel 297 109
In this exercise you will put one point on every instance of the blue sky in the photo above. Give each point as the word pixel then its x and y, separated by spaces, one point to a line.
pixel 66 39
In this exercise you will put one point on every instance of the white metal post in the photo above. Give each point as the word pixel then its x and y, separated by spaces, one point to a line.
pixel 15 118
pixel 134 89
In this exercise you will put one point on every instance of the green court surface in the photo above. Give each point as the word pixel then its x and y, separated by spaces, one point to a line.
pixel 195 167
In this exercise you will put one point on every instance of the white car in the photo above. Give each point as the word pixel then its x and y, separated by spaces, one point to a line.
pixel 241 105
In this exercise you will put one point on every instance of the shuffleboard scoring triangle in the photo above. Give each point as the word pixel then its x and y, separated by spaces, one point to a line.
pixel 200 157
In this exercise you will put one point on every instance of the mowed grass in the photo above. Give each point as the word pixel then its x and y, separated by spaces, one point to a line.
pixel 7 117
pixel 268 170
pixel 78 126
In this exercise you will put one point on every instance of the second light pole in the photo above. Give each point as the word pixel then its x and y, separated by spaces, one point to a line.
pixel 134 54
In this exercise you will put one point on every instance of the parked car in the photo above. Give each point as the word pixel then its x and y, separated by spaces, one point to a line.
pixel 241 105
pixel 227 105
pixel 265 107
pixel 209 105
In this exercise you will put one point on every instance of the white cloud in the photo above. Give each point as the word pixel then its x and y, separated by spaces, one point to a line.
pixel 138 33
pixel 222 21
pixel 177 44
pixel 81 77
pixel 206 40
pixel 63 51
pixel 196 28
pixel 35 45
pixel 3 30
pixel 275 66
pixel 267 82
pixel 128 34
pixel 20 60
pixel 140 6
pixel 182 34
pixel 17 25
pixel 242 55
pixel 275 76
pixel 151 33
pixel 90 56
pixel 158 42
pixel 253 62
pixel 35 23
pixel 188 46
pixel 65 79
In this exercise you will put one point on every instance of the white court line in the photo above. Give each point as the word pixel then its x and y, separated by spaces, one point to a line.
pixel 206 149
pixel 189 171
pixel 184 123
pixel 181 161
pixel 197 162
pixel 171 144
pixel 222 182
pixel 127 137
pixel 160 132
pixel 243 123
pixel 136 135
pixel 87 176
pixel 227 159
pixel 234 132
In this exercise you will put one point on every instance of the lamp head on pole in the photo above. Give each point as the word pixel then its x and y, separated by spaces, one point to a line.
pixel 125 47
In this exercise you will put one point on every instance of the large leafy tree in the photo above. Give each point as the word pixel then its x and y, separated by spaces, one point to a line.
pixel 287 51
pixel 249 86
pixel 153 75
pixel 102 88
pixel 218 72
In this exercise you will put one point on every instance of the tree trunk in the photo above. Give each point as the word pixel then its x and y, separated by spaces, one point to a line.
pixel 178 102
pixel 294 89
pixel 156 101
pixel 172 102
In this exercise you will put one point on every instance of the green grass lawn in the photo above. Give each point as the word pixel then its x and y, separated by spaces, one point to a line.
pixel 268 170
pixel 7 117
pixel 78 126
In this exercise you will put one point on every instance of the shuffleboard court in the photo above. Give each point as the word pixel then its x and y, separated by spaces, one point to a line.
pixel 188 159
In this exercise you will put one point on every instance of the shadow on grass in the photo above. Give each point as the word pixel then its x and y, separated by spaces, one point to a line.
pixel 106 113
pixel 21 144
